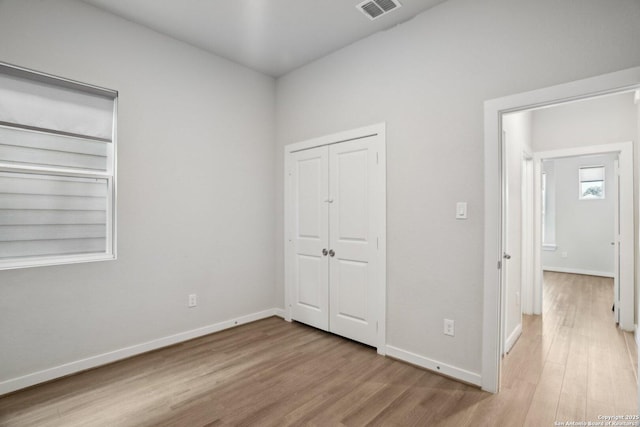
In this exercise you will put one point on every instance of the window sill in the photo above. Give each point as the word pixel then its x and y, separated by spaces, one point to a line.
pixel 549 247
pixel 58 260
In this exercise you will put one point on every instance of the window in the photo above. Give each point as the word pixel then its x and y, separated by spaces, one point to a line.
pixel 57 170
pixel 591 182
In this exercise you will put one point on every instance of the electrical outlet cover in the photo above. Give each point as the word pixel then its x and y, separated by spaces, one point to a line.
pixel 449 327
pixel 193 301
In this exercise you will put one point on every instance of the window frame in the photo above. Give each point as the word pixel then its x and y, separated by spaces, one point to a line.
pixel 109 174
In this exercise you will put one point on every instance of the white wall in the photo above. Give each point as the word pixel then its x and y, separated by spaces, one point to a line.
pixel 428 79
pixel 604 120
pixel 584 228
pixel 517 143
pixel 195 191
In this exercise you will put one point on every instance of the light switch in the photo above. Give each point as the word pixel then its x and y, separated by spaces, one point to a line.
pixel 461 210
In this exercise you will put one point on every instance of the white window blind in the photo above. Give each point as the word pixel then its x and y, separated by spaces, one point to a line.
pixel 592 173
pixel 57 170
pixel 28 148
pixel 41 105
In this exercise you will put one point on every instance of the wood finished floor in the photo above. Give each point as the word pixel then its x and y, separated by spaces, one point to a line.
pixel 572 364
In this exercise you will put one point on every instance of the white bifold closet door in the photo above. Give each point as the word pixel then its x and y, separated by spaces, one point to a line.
pixel 335 239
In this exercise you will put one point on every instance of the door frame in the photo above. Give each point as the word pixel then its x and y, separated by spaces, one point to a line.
pixel 625 240
pixel 528 233
pixel 378 132
pixel 624 80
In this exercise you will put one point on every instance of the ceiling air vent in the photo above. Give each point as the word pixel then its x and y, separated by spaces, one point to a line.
pixel 376 8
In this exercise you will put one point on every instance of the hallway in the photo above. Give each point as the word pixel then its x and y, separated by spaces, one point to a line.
pixel 573 359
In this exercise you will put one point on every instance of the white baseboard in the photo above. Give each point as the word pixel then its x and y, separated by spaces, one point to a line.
pixel 511 340
pixel 579 271
pixel 434 365
pixel 280 312
pixel 28 380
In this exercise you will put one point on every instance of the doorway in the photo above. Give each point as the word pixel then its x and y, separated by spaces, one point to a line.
pixel 573 349
pixel 581 234
pixel 627 80
pixel 604 249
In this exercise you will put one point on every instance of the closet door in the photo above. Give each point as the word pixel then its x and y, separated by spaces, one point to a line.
pixel 352 240
pixel 310 296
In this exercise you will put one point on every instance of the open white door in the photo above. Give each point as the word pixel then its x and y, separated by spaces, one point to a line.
pixel 504 272
pixel 512 244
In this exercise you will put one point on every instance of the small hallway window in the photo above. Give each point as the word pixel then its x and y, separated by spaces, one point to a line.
pixel 591 182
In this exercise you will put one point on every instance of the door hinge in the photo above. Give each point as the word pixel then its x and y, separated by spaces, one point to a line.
pixel 499 265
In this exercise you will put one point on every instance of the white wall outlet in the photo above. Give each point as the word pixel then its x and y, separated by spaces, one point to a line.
pixel 563 254
pixel 449 327
pixel 193 300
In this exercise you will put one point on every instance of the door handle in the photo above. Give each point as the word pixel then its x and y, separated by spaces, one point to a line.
pixel 324 252
pixel 331 253
pixel 506 256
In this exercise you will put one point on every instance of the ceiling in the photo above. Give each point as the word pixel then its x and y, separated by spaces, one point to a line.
pixel 270 36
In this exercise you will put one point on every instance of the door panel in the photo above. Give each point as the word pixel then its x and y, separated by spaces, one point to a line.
pixel 310 281
pixel 310 299
pixel 351 236
pixel 352 294
pixel 351 184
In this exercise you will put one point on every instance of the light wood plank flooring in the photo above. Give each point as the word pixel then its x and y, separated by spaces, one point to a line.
pixel 578 363
pixel 572 364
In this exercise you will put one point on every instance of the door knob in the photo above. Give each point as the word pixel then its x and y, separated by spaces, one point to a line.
pixel 331 252
pixel 325 252
pixel 506 256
